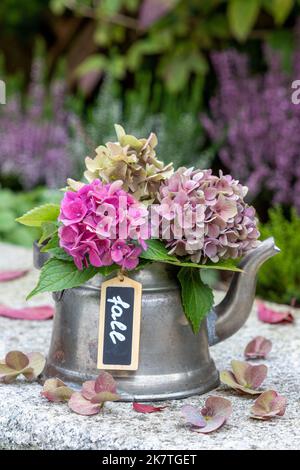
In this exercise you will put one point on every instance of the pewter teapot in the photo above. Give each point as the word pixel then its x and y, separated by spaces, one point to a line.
pixel 173 362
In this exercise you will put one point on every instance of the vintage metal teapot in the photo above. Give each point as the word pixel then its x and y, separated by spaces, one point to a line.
pixel 174 362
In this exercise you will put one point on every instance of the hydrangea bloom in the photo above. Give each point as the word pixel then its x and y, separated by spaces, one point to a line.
pixel 208 215
pixel 102 225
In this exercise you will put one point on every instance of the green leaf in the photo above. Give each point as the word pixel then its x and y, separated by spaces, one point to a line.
pixel 48 230
pixel 52 243
pixel 94 63
pixel 57 275
pixel 279 9
pixel 157 251
pixel 197 297
pixel 107 270
pixel 60 253
pixel 39 215
pixel 242 15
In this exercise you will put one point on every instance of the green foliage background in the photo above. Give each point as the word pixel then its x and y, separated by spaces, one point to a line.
pixel 279 278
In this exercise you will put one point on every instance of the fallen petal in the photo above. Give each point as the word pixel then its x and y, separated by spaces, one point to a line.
pixel 7 374
pixel 105 383
pixel 102 397
pixel 56 390
pixel 37 364
pixel 81 406
pixel 255 375
pixel 239 369
pixel 27 313
pixel 212 425
pixel 245 378
pixel 268 315
pixel 88 389
pixel 258 348
pixel 227 378
pixel 142 408
pixel 217 406
pixel 16 360
pixel 268 405
pixel 6 276
pixel 193 416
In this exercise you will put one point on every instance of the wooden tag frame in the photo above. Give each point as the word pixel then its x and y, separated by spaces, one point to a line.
pixel 123 281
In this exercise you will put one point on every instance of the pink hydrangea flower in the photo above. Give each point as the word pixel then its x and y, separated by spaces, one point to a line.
pixel 205 216
pixel 102 225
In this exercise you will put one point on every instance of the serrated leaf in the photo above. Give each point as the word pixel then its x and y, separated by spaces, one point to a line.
pixel 157 251
pixel 40 215
pixel 48 230
pixel 52 243
pixel 197 297
pixel 60 253
pixel 57 275
pixel 242 15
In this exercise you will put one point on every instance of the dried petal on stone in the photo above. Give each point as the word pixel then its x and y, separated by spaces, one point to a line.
pixel 102 397
pixel 81 406
pixel 56 390
pixel 105 383
pixel 100 390
pixel 258 348
pixel 142 408
pixel 16 360
pixel 193 416
pixel 36 363
pixel 88 389
pixel 16 363
pixel 268 405
pixel 6 276
pixel 213 415
pixel 43 312
pixel 268 315
pixel 244 377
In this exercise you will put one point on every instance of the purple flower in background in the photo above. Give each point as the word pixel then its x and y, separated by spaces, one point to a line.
pixel 35 139
pixel 257 125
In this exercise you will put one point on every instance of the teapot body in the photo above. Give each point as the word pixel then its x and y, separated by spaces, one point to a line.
pixel 173 361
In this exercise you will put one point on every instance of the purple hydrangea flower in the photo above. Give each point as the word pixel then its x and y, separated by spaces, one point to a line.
pixel 205 216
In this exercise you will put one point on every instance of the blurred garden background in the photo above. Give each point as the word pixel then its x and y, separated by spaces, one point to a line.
pixel 211 77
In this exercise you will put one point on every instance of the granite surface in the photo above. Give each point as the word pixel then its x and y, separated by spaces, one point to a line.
pixel 29 421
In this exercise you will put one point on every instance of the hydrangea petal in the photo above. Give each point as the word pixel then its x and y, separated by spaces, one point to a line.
pixel 105 383
pixel 258 348
pixel 268 405
pixel 6 276
pixel 82 406
pixel 55 390
pixel 193 416
pixel 142 408
pixel 268 315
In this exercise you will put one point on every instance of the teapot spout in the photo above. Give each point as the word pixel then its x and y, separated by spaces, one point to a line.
pixel 230 315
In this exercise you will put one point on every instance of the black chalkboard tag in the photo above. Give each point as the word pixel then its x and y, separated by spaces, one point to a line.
pixel 119 324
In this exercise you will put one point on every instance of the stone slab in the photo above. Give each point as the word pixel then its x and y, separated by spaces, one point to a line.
pixel 28 421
